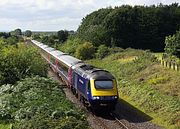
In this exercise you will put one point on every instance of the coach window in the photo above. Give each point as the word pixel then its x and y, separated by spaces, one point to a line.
pixel 53 60
pixel 63 68
pixel 60 66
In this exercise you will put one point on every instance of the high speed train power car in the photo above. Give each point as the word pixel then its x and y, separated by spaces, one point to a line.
pixel 94 87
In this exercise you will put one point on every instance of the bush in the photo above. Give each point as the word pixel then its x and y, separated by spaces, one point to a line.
pixel 17 63
pixel 2 43
pixel 70 46
pixel 173 44
pixel 38 103
pixel 85 51
pixel 102 51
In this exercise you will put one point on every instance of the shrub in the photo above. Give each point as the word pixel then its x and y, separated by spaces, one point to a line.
pixel 70 46
pixel 115 50
pixel 38 103
pixel 85 51
pixel 17 63
pixel 173 44
pixel 102 51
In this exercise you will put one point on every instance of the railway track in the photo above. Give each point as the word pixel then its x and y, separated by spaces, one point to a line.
pixel 121 123
pixel 109 120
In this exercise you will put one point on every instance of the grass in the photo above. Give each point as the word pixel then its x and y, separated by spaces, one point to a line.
pixel 144 83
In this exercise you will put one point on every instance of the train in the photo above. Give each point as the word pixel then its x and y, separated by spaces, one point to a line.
pixel 94 87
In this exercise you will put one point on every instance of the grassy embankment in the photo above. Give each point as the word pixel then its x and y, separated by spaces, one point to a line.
pixel 145 84
pixel 38 103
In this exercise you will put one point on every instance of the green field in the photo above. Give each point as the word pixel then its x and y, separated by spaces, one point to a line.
pixel 144 83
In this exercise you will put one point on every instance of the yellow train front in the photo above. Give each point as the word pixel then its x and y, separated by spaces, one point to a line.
pixel 96 87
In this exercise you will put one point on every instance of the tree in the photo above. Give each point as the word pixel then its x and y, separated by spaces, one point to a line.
pixel 28 33
pixel 36 37
pixel 173 44
pixel 62 35
pixel 17 32
pixel 85 51
pixel 4 35
pixel 19 62
pixel 2 44
pixel 12 40
pixel 141 27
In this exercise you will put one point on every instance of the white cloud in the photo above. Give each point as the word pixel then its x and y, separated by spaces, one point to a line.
pixel 56 14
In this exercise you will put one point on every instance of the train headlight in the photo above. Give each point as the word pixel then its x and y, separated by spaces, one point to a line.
pixel 96 97
pixel 114 97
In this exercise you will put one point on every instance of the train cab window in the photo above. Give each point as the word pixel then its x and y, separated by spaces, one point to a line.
pixel 103 84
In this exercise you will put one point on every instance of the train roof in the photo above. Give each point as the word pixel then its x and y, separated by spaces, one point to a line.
pixel 49 49
pixel 89 71
pixel 35 42
pixel 43 46
pixel 57 53
pixel 100 74
pixel 68 60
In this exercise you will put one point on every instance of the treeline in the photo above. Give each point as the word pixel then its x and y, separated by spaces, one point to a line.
pixel 10 38
pixel 142 27
pixel 52 39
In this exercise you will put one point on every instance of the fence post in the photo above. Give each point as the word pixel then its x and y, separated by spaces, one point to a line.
pixel 169 65
pixel 176 67
pixel 162 62
pixel 172 65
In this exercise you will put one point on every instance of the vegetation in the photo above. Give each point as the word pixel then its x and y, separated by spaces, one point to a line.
pixel 139 27
pixel 70 45
pixel 102 51
pixel 62 35
pixel 173 44
pixel 16 32
pixel 19 62
pixel 145 84
pixel 85 51
pixel 53 39
pixel 9 38
pixel 28 33
pixel 38 103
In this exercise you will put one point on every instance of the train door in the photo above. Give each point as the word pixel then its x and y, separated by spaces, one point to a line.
pixel 76 81
pixel 70 74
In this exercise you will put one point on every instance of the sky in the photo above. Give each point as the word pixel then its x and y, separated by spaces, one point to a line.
pixel 54 15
